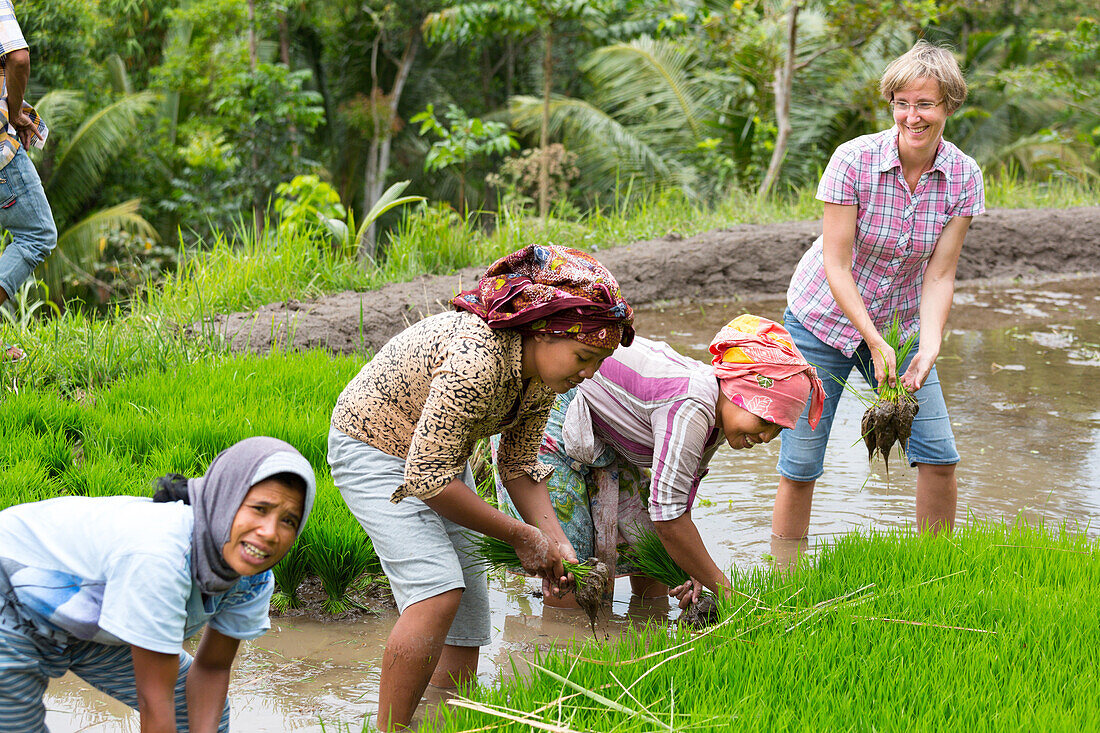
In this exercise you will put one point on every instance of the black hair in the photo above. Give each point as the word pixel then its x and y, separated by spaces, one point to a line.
pixel 290 480
pixel 171 487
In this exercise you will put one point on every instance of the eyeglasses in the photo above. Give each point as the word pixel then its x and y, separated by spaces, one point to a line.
pixel 904 107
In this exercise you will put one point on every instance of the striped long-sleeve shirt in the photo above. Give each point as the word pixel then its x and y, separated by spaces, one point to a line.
pixel 656 408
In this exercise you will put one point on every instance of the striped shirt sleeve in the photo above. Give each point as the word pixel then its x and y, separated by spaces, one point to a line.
pixel 680 431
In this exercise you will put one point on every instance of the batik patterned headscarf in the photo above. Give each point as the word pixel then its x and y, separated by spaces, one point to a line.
pixel 554 290
pixel 760 369
pixel 216 497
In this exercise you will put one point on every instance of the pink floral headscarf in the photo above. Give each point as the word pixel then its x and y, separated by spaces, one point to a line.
pixel 555 290
pixel 760 369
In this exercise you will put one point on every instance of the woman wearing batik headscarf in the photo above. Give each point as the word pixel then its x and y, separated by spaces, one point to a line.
pixel 109 588
pixel 540 322
pixel 651 420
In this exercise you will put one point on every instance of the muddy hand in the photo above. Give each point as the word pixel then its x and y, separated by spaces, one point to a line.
pixel 686 593
pixel 539 555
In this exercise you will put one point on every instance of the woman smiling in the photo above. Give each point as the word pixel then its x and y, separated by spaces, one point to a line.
pixel 898 204
pixel 109 588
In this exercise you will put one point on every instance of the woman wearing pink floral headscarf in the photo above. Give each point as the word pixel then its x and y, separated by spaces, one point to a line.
pixel 650 420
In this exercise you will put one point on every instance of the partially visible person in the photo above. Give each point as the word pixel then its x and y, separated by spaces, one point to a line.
pixel 898 204
pixel 109 588
pixel 539 322
pixel 24 210
pixel 650 420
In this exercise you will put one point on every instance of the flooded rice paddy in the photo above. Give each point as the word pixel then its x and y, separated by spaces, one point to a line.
pixel 1020 367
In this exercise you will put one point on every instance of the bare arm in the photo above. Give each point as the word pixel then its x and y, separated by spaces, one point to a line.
pixel 935 304
pixel 839 234
pixel 681 538
pixel 532 499
pixel 17 70
pixel 155 678
pixel 208 680
pixel 538 555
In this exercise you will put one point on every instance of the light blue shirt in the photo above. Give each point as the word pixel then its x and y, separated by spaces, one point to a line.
pixel 117 570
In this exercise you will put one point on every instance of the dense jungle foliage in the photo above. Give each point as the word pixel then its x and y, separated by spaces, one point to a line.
pixel 182 125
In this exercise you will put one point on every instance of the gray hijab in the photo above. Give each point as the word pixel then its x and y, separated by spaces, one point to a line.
pixel 216 497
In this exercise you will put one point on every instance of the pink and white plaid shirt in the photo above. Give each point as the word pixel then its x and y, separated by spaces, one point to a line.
pixel 896 234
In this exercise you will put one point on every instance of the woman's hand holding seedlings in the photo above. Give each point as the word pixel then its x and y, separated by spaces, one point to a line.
pixel 886 363
pixel 541 556
pixel 687 593
pixel 919 368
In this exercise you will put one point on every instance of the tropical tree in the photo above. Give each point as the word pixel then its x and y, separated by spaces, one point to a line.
pixel 462 140
pixel 479 20
pixel 72 168
pixel 652 103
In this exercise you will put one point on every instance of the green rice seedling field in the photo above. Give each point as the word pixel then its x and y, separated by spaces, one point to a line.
pixel 119 439
pixel 994 628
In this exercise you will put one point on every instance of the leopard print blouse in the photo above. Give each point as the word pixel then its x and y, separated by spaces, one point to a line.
pixel 438 387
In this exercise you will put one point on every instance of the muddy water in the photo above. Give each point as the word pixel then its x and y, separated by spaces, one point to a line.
pixel 1020 368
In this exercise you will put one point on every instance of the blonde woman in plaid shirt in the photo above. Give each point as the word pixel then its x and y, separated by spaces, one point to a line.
pixel 898 204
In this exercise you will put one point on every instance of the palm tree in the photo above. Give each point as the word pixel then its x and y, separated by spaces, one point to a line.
pixel 652 103
pixel 72 171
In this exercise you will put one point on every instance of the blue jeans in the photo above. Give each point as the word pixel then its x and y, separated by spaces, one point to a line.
pixel 802 451
pixel 25 212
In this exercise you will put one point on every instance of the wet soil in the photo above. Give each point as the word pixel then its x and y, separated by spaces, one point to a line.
pixel 744 262
pixel 590 590
pixel 1019 364
pixel 367 600
pixel 701 614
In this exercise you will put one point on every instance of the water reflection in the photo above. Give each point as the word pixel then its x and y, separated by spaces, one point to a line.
pixel 1019 368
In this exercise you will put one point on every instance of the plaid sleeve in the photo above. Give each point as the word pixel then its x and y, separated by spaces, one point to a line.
pixel 838 182
pixel 11 36
pixel 972 200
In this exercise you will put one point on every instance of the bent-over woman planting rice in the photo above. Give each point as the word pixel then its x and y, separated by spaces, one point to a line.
pixel 540 322
pixel 649 423
pixel 109 588
pixel 898 204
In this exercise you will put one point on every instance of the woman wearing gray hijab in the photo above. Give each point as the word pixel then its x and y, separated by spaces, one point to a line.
pixel 109 588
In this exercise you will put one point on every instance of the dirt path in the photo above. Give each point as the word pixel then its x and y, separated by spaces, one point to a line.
pixel 743 262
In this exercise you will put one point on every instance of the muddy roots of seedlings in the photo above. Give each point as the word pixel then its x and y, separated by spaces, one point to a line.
pixel 888 421
pixel 701 614
pixel 591 589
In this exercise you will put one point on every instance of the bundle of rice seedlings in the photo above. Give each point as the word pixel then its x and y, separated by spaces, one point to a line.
pixel 592 576
pixel 339 555
pixel 289 574
pixel 890 418
pixel 650 558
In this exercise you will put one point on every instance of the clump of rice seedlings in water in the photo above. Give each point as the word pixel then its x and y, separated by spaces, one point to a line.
pixel 889 419
pixel 592 576
pixel 289 574
pixel 339 554
pixel 650 558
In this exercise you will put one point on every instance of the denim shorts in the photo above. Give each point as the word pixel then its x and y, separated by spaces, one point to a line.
pixel 422 553
pixel 802 451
